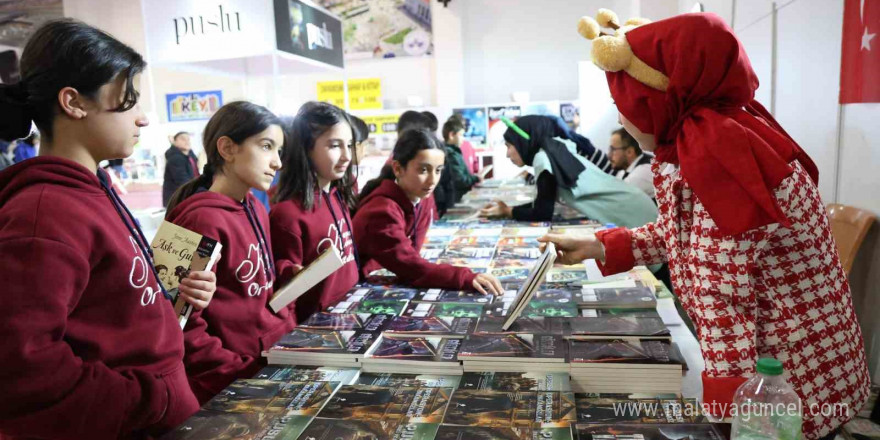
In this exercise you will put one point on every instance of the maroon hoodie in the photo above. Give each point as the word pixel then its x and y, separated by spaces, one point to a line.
pixel 299 236
pixel 224 341
pixel 389 231
pixel 90 346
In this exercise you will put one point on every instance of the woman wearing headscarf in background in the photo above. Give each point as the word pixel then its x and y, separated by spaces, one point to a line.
pixel 741 222
pixel 571 178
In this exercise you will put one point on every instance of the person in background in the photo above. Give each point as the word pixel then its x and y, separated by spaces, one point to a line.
pixel 742 224
pixel 312 206
pixel 444 193
pixel 394 216
pixel 92 347
pixel 569 177
pixel 433 122
pixel 361 134
pixel 181 165
pixel 462 179
pixel 26 148
pixel 467 150
pixel 225 341
pixel 584 147
pixel 631 164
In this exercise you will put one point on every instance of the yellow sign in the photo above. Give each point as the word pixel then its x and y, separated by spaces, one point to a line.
pixel 331 92
pixel 363 93
pixel 381 124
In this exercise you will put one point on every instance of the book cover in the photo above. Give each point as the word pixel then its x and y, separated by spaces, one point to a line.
pixel 408 380
pixel 391 293
pixel 618 326
pixel 509 263
pixel 334 429
pixel 505 274
pixel 245 395
pixel 468 252
pixel 548 294
pixel 328 262
pixel 444 310
pixel 176 251
pixel 602 431
pixel 528 325
pixel 284 373
pixel 213 425
pixel 301 398
pixel 631 313
pixel 531 284
pixel 484 241
pixel 335 321
pixel 382 306
pixel 512 382
pixel 550 310
pixel 325 341
pixel 454 296
pixel 452 432
pixel 425 349
pixel 431 326
pixel 520 242
pixel 566 275
pixel 622 351
pixel 631 297
pixel 517 253
pixel 527 409
pixel 521 347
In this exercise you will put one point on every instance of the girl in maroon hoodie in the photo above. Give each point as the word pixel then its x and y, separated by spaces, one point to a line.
pixel 224 342
pixel 91 346
pixel 395 212
pixel 315 194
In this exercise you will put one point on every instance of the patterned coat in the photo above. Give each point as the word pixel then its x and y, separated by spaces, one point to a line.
pixel 769 292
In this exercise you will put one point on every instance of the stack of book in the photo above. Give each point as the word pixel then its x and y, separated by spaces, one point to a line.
pixel 334 348
pixel 625 366
pixel 514 353
pixel 404 354
pixel 618 326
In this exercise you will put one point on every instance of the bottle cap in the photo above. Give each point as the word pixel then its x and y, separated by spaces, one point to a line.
pixel 769 367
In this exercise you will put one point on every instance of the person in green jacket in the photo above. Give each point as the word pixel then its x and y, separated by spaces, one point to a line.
pixel 462 179
pixel 562 174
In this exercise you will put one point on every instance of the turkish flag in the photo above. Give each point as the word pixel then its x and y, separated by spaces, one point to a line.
pixel 860 52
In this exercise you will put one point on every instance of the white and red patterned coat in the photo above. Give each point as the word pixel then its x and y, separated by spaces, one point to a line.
pixel 769 292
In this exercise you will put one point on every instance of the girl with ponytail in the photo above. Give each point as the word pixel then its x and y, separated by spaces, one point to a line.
pixel 224 342
pixel 91 344
pixel 312 205
pixel 395 212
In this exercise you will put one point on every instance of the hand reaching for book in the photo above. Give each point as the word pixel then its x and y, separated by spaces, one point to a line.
pixel 496 209
pixel 574 250
pixel 198 288
pixel 485 283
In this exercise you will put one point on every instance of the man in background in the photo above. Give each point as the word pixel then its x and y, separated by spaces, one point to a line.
pixel 181 165
pixel 630 163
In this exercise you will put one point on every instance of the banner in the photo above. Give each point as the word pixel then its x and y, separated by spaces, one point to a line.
pixel 381 124
pixel 860 52
pixel 331 92
pixel 384 28
pixel 193 106
pixel 307 31
pixel 363 93
pixel 475 124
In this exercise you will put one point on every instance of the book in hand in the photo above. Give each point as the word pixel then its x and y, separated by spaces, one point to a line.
pixel 328 262
pixel 176 252
pixel 536 276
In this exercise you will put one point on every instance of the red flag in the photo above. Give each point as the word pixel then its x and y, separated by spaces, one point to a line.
pixel 860 58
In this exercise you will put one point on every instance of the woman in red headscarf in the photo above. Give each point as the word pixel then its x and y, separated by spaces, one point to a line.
pixel 741 223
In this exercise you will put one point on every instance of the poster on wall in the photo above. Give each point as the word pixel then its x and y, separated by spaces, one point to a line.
pixel 496 127
pixel 475 124
pixel 381 124
pixel 331 92
pixel 304 30
pixel 193 106
pixel 384 28
pixel 363 93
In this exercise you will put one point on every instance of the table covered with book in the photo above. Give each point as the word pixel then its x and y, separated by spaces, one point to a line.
pixel 586 357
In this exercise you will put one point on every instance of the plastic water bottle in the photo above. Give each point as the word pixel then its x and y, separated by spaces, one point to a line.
pixel 767 407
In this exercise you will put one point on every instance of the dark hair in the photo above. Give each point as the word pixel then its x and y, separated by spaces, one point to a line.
pixel 64 53
pixel 452 125
pixel 361 130
pixel 408 145
pixel 433 122
pixel 161 267
pixel 628 140
pixel 179 134
pixel 411 119
pixel 236 120
pixel 298 180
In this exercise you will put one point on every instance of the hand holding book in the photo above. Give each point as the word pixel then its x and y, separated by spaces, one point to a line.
pixel 198 288
pixel 574 249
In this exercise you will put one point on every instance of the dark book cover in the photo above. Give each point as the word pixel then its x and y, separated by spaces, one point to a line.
pixel 549 310
pixel 559 295
pixel 448 432
pixel 636 297
pixel 527 324
pixel 622 351
pixel 601 431
pixel 301 398
pixel 364 402
pixel 631 313
pixel 335 321
pixel 382 306
pixel 618 326
pixel 511 409
pixel 454 296
pixel 212 425
pixel 286 373
pixel 513 382
pixel 245 395
pixel 514 346
pixel 408 380
pixel 391 293
pixel 427 349
pixel 326 341
pixel 431 326
pixel 334 429
pixel 444 310
pixel 626 409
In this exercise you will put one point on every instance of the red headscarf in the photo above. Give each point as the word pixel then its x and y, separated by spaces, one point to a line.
pixel 730 150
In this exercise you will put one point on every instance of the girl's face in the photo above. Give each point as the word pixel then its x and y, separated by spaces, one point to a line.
pixel 110 134
pixel 646 141
pixel 332 154
pixel 421 174
pixel 255 161
pixel 513 155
